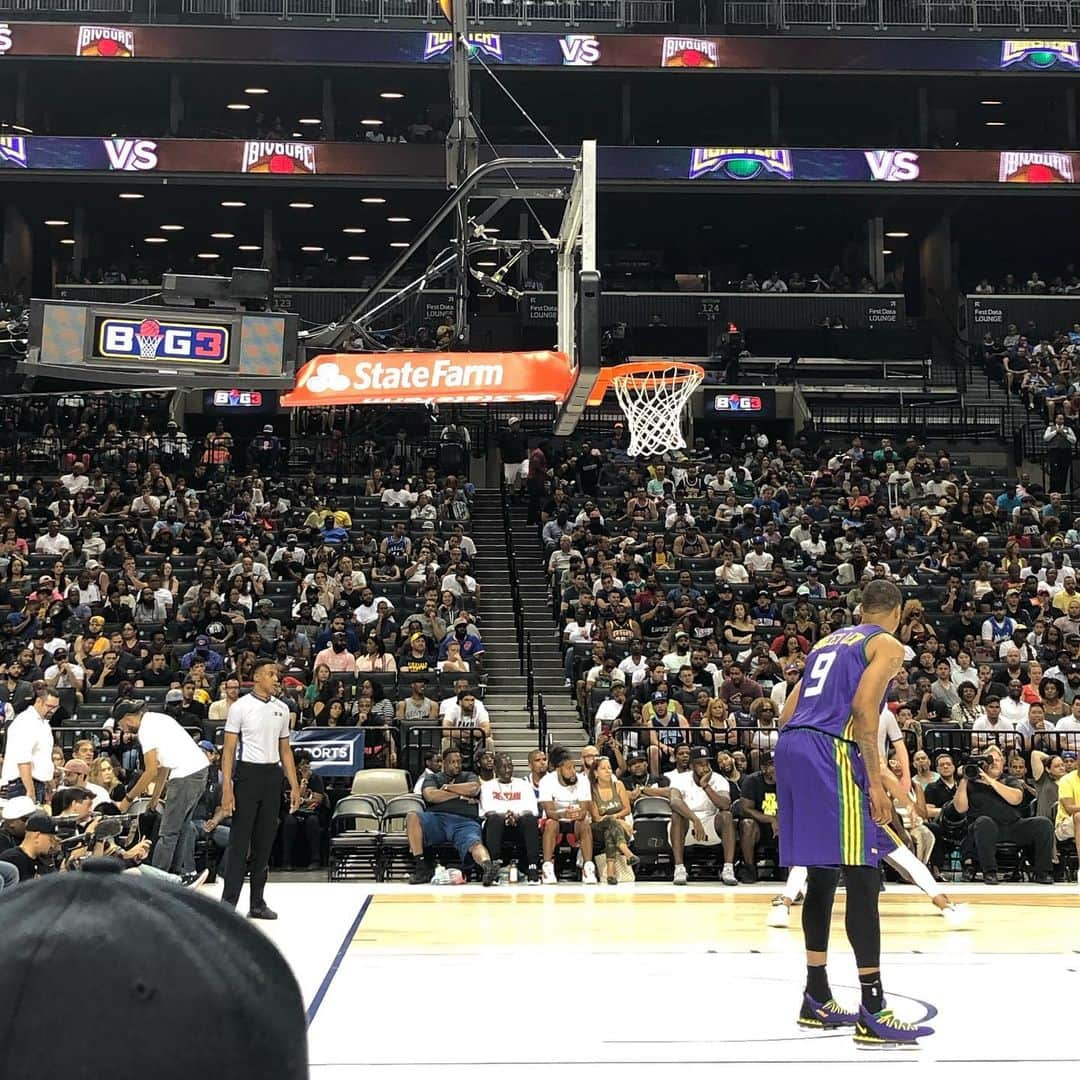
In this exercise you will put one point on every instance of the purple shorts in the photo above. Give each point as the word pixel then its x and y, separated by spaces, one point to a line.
pixel 823 807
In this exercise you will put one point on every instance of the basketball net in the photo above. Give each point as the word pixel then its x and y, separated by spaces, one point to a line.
pixel 148 338
pixel 653 402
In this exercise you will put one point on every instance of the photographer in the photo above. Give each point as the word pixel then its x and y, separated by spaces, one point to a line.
pixel 30 858
pixel 993 803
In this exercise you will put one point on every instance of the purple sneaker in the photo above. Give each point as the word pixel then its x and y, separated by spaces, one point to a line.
pixel 814 1014
pixel 882 1029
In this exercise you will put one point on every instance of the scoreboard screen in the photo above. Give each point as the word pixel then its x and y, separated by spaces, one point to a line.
pixel 149 339
pixel 196 348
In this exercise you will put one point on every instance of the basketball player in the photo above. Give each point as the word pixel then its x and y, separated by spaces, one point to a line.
pixel 833 808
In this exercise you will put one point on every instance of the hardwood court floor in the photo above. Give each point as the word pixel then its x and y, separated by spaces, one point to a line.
pixel 605 982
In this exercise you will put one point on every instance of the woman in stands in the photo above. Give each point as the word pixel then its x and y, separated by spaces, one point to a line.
pixel 385 569
pixel 610 809
pixel 375 656
pixel 913 630
pixel 659 558
pixel 739 629
pixel 1053 701
pixel 968 709
pixel 450 606
pixel 329 691
pixel 315 689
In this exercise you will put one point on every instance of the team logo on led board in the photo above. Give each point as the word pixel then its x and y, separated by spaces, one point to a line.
pixel 440 42
pixel 740 162
pixel 1040 55
pixel 1024 167
pixel 111 41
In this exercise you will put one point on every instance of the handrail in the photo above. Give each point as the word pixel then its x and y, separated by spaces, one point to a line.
pixel 530 682
pixel 542 724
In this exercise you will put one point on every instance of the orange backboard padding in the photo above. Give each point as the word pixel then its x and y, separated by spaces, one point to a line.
pixel 415 377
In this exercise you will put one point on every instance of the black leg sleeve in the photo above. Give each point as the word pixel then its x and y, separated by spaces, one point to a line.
pixel 861 921
pixel 817 907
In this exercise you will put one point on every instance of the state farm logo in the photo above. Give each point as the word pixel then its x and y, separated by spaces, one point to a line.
pixel 131 155
pixel 111 41
pixel 892 166
pixel 689 52
pixel 579 50
pixel 5 39
pixel 1035 168
pixel 278 157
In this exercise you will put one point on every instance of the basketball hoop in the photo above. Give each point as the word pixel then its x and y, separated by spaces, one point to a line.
pixel 653 395
pixel 148 338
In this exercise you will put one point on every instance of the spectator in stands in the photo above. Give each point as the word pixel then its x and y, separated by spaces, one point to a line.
pixel 308 820
pixel 566 800
pixel 452 817
pixel 992 803
pixel 707 796
pixel 509 803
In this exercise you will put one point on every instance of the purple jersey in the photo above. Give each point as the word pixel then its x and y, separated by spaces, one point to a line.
pixel 833 670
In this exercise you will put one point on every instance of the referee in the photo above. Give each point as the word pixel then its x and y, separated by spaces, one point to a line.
pixel 260 723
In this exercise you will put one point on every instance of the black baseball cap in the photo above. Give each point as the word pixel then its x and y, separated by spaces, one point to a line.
pixel 157 982
pixel 636 756
pixel 700 753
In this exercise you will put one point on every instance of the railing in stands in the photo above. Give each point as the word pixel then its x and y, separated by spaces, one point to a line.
pixel 1022 15
pixel 541 724
pixel 952 419
pixel 617 13
pixel 530 682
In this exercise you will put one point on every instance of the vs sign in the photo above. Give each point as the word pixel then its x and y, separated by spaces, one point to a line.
pixel 579 50
pixel 131 155
pixel 892 165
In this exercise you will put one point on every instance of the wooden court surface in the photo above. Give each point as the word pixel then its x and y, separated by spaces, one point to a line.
pixel 726 920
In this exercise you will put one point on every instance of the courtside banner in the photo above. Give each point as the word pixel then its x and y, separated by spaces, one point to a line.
pixel 334 751
pixel 395 378
pixel 102 43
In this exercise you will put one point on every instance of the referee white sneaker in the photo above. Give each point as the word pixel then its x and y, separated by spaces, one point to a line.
pixel 588 873
pixel 549 877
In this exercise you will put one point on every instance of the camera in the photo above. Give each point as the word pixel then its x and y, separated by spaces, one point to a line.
pixel 973 766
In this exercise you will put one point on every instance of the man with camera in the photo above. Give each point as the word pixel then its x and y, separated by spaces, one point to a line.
pixel 30 858
pixel 993 805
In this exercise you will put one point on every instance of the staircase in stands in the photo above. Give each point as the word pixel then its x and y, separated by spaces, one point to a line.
pixel 506 686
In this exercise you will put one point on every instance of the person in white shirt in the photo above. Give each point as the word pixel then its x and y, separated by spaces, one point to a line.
pixel 566 799
pixel 707 795
pixel 1070 721
pixel 580 630
pixel 28 764
pixel 509 802
pixel 432 765
pixel 634 664
pixel 54 542
pixel 167 750
pixel 1014 709
pixel 64 675
pixel 758 560
pixel 76 480
pixel 732 572
pixel 610 709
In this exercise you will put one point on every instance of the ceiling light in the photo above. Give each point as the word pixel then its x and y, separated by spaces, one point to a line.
pixel 373 200
pixel 171 228
pixel 398 220
pixel 371 123
pixel 131 195
pixel 886 251
pixel 233 202
pixel 67 241
pixel 56 222
pixel 248 247
pixel 995 123
pixel 354 230
pixel 256 90
pixel 391 95
pixel 405 243
pixel 312 247
pixel 898 235
pixel 990 102
pixel 223 236
pixel 359 258
pixel 297 134
pixel 238 106
pixel 301 205
pixel 309 120
pixel 487 264
pixel 208 255
pixel 155 239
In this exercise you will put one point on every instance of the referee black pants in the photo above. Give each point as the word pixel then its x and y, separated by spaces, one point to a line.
pixel 257 789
